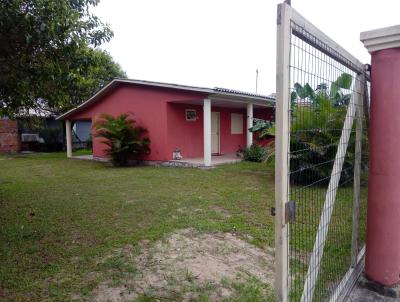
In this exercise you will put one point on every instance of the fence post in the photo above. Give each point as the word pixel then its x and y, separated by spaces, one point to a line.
pixel 282 148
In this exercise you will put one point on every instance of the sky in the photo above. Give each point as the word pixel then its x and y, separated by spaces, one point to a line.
pixel 221 43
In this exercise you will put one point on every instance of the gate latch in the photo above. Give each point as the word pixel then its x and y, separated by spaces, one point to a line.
pixel 290 211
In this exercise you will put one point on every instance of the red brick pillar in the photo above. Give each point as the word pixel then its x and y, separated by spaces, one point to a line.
pixel 383 222
pixel 9 137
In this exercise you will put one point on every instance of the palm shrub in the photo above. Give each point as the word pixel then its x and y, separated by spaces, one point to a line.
pixel 124 139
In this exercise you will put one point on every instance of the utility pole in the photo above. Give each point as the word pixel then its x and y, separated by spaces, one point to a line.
pixel 256 80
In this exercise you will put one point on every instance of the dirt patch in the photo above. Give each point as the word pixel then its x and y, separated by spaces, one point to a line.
pixel 220 210
pixel 187 264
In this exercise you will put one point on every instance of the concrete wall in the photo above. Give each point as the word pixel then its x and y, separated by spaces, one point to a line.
pixel 9 138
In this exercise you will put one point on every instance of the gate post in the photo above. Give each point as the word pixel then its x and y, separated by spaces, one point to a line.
pixel 382 264
pixel 281 152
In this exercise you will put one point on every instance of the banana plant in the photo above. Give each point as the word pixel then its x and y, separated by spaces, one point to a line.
pixel 317 117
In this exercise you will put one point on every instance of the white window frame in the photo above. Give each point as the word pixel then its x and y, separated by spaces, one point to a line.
pixel 236 126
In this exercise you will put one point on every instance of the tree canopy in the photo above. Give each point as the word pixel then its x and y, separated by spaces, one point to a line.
pixel 49 58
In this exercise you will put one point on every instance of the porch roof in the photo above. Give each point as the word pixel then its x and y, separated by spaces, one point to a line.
pixel 212 93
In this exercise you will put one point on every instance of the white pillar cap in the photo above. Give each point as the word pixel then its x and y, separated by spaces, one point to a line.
pixel 382 38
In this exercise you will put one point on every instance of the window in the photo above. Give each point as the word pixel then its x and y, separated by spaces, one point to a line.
pixel 191 115
pixel 236 123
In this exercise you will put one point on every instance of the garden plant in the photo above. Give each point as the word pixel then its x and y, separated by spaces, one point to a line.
pixel 123 138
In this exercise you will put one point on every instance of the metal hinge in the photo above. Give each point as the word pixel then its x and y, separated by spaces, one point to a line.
pixel 278 15
pixel 290 211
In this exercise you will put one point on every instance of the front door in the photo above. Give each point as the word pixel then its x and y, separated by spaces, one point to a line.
pixel 215 133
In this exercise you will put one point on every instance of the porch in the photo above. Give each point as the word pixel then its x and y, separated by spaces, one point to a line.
pixel 209 132
pixel 197 162
pixel 216 160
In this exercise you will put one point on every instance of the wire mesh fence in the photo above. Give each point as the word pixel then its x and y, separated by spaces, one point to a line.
pixel 328 162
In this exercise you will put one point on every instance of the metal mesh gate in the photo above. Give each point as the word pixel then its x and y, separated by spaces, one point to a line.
pixel 322 158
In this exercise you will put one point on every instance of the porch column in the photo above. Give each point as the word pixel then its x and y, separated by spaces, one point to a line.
pixel 249 124
pixel 68 135
pixel 207 132
pixel 382 263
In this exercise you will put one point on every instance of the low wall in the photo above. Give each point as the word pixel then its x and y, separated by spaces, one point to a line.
pixel 9 138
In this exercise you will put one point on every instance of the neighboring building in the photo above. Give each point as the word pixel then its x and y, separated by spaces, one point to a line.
pixel 40 134
pixel 9 138
pixel 198 121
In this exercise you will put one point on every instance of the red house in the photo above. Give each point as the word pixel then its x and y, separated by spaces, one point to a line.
pixel 201 122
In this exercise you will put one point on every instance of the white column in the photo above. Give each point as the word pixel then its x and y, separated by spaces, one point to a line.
pixel 249 124
pixel 68 134
pixel 207 132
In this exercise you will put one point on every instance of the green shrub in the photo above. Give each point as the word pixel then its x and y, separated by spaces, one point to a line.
pixel 315 131
pixel 123 138
pixel 255 153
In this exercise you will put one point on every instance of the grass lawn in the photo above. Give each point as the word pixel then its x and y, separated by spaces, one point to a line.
pixel 60 218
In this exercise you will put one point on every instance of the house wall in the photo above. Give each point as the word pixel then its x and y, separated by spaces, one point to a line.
pixel 230 143
pixel 149 108
pixel 264 113
pixel 9 138
pixel 162 112
pixel 185 135
pixel 188 135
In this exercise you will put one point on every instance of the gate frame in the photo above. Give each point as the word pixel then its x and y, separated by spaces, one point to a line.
pixel 285 15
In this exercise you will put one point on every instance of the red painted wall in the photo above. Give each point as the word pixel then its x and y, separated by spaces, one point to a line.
pixel 156 109
pixel 188 135
pixel 264 113
pixel 230 143
pixel 149 107
pixel 182 134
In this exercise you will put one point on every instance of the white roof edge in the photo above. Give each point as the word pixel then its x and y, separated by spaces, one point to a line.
pixel 87 101
pixel 237 98
pixel 381 38
pixel 165 85
pixel 257 99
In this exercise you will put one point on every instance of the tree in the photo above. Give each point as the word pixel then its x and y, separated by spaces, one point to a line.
pixel 90 71
pixel 123 138
pixel 47 60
